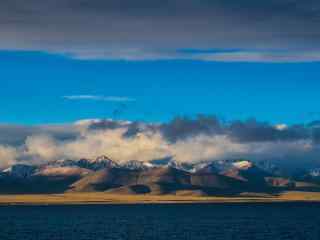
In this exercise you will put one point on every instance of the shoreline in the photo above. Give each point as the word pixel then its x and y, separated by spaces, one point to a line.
pixel 113 199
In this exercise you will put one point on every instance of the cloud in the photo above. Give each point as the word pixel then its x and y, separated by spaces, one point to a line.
pixel 181 128
pixel 187 140
pixel 99 98
pixel 239 131
pixel 262 56
pixel 253 131
pixel 206 55
pixel 8 156
pixel 41 148
pixel 266 30
pixel 17 134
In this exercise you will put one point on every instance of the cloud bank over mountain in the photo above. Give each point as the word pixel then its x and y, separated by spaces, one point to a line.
pixel 186 140
pixel 215 30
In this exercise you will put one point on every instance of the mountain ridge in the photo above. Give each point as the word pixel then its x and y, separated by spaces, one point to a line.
pixel 154 177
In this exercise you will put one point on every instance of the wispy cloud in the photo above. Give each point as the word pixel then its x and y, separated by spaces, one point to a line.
pixel 262 56
pixel 205 55
pixel 99 98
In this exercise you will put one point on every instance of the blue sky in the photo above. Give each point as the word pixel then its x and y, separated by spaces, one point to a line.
pixel 34 87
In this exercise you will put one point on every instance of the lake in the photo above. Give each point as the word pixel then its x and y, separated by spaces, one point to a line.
pixel 164 222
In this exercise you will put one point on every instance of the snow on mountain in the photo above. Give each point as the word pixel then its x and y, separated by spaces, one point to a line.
pixel 103 162
pixel 103 159
pixel 219 166
pixel 92 164
pixel 85 166
pixel 137 165
pixel 314 172
pixel 180 165
pixel 242 164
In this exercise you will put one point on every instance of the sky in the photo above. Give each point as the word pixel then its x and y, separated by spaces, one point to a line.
pixel 40 88
pixel 153 65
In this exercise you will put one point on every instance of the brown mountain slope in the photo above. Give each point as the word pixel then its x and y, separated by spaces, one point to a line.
pixel 157 180
pixel 105 179
pixel 162 180
pixel 211 180
pixel 37 184
pixel 251 176
pixel 165 175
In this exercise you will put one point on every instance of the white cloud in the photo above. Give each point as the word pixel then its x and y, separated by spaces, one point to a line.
pixel 42 148
pixel 148 144
pixel 263 56
pixel 250 55
pixel 99 98
pixel 8 156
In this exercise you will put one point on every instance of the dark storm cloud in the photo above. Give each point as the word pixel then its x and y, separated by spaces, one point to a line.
pixel 239 131
pixel 267 30
pixel 253 131
pixel 249 131
pixel 181 128
pixel 105 125
pixel 132 128
pixel 135 128
pixel 15 135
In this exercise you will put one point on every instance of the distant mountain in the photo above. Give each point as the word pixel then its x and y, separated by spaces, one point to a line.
pixel 315 173
pixel 156 180
pixel 270 168
pixel 105 179
pixel 254 176
pixel 92 164
pixel 155 177
pixel 219 166
pixel 308 175
pixel 117 177
pixel 20 171
pixel 165 175
pixel 249 173
pixel 137 165
pixel 51 171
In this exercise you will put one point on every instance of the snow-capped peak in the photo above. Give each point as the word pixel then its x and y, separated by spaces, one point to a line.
pixel 137 165
pixel 103 162
pixel 315 172
pixel 103 158
pixel 175 164
pixel 242 164
pixel 92 164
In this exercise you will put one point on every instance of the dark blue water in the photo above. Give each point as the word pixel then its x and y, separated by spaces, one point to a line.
pixel 168 222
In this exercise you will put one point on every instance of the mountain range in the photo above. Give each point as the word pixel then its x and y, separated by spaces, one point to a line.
pixel 163 176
